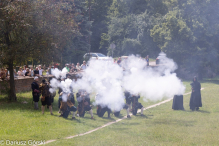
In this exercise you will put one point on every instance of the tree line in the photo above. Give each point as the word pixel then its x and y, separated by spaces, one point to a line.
pixel 63 31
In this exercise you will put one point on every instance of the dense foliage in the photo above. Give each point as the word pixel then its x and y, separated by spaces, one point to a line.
pixel 41 30
pixel 186 30
pixel 63 31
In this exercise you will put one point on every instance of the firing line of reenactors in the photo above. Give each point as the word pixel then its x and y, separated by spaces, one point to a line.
pixel 66 101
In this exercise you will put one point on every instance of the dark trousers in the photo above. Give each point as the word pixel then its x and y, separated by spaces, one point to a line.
pixel 101 111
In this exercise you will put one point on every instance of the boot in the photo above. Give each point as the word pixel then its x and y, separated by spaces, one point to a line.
pixel 91 113
pixel 142 109
pixel 43 109
pixel 73 116
pixel 35 105
pixel 130 107
pixel 50 109
pixel 128 116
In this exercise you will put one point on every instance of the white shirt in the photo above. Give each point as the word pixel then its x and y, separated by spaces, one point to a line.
pixel 40 72
pixel 83 66
pixel 24 71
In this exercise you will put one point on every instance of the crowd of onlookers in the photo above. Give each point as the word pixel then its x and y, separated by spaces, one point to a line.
pixel 40 71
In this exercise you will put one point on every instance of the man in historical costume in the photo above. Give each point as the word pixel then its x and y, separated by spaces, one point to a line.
pixel 35 92
pixel 67 104
pixel 46 97
pixel 128 98
pixel 195 99
pixel 136 105
pixel 178 102
pixel 60 95
pixel 83 103
pixel 102 109
pixel 52 94
pixel 126 106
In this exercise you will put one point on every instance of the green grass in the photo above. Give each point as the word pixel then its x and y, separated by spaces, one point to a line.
pixel 21 122
pixel 162 126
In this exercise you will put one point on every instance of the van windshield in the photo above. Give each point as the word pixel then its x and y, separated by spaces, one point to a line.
pixel 100 55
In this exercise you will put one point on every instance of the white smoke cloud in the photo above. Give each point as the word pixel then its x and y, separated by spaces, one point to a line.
pixel 109 80
pixel 57 73
pixel 152 84
pixel 104 78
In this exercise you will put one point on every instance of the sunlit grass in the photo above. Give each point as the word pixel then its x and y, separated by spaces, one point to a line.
pixel 162 126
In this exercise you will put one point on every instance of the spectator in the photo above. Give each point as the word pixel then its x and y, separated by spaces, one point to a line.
pixel 27 72
pixel 52 69
pixel 2 74
pixel 36 72
pixel 119 60
pixel 147 60
pixel 115 61
pixel 20 72
pixel 24 70
pixel 73 69
pixel 84 65
pixel 31 71
pixel 15 73
pixel 49 70
pixel 40 70
pixel 6 72
pixel 56 65
pixel 78 67
pixel 35 92
pixel 67 67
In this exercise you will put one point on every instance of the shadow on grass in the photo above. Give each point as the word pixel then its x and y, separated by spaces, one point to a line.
pixel 200 111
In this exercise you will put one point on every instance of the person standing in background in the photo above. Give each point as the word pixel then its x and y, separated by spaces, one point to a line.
pixel 46 96
pixel 24 71
pixel 36 72
pixel 84 65
pixel 35 92
pixel 40 70
pixel 67 67
pixel 147 60
pixel 20 72
pixel 78 67
pixel 31 71
pixel 195 99
pixel 27 72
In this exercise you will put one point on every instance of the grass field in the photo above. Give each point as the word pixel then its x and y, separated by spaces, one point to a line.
pixel 162 126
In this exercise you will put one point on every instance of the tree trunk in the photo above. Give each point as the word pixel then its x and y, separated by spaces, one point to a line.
pixel 12 92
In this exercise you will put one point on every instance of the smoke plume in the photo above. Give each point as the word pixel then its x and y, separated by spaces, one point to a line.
pixel 110 80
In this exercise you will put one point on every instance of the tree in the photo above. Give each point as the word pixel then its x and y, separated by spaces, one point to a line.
pixel 98 13
pixel 129 27
pixel 35 29
pixel 189 33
